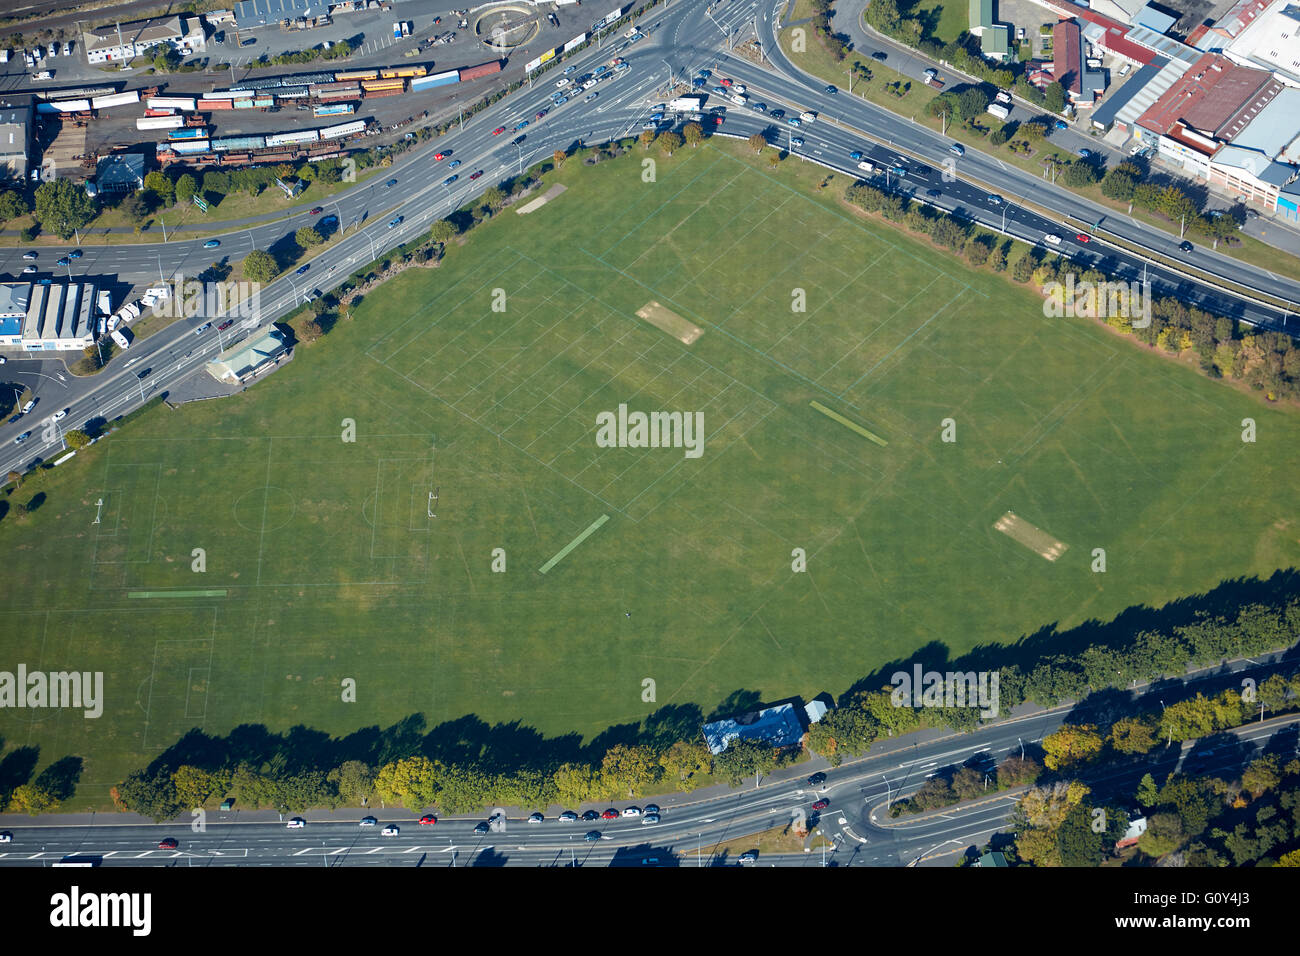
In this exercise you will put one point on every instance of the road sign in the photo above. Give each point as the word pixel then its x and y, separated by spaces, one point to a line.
pixel 202 204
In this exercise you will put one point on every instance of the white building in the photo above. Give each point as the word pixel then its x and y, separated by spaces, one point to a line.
pixel 1271 41
pixel 119 42
pixel 60 316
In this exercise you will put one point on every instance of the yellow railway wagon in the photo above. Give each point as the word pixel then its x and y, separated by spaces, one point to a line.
pixel 374 86
pixel 356 75
pixel 402 71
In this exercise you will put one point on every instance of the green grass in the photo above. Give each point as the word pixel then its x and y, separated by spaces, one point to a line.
pixel 333 570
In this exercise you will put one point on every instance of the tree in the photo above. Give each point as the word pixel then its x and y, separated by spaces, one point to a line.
pixel 1079 174
pixel 1132 735
pixel 630 769
pixel 998 258
pixel 76 438
pixel 669 142
pixel 1118 184
pixel 1262 775
pixel 443 231
pixel 977 252
pixel 693 134
pixel 1148 794
pixel 1023 270
pixel 1054 97
pixel 151 796
pixel 1164 834
pixel 15 479
pixel 949 233
pixel 32 798
pixel 135 206
pixel 757 142
pixel 773 159
pixel 999 135
pixel 167 61
pixel 558 157
pixel 194 786
pixel 62 207
pixel 260 266
pixel 157 183
pixel 1070 746
pixel 743 760
pixel 186 187
pixel 971 102
pixel 493 198
pixel 647 137
pixel 12 205
pixel 311 331
pixel 307 236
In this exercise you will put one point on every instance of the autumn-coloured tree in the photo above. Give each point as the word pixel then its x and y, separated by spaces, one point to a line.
pixel 1070 746
pixel 693 133
pixel 757 142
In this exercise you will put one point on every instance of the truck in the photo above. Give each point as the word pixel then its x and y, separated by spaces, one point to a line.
pixel 397 31
pixel 684 104
pixel 405 26
pixel 867 166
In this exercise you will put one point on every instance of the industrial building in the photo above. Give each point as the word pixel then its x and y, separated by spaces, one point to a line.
pixel 245 361
pixel 48 315
pixel 16 115
pixel 119 42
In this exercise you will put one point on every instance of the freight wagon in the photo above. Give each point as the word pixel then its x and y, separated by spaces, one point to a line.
pixel 192 132
pixel 434 79
pixel 334 109
pixel 63 106
pixel 115 99
pixel 297 136
pixel 171 102
pixel 374 85
pixel 356 75
pixel 238 143
pixel 343 129
pixel 483 69
pixel 207 104
pixel 159 122
pixel 402 71
pixel 189 147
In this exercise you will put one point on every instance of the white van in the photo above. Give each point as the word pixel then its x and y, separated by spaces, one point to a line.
pixel 740 99
pixel 808 117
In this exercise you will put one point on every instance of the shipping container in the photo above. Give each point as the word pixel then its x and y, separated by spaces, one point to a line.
pixel 370 85
pixel 240 93
pixel 189 146
pixel 264 102
pixel 339 97
pixel 483 69
pixel 334 109
pixel 173 102
pixel 115 99
pixel 407 71
pixel 206 104
pixel 195 120
pixel 296 136
pixel 436 79
pixel 343 129
pixel 356 75
pixel 159 122
pixel 385 93
pixel 246 104
pixel 153 112
pixel 63 106
pixel 238 143
pixel 191 132
pixel 292 92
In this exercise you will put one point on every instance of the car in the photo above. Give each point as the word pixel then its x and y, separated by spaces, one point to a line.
pixel 758 107
pixel 391 830
pixel 28 270
pixel 203 328
pixel 29 255
pixel 535 818
pixel 933 193
pixel 67 48
pixel 482 828
pixel 368 822
pixel 541 113
pixel 931 71
pixel 441 156
pixel 3 360
pixel 248 42
pixel 428 820
pixel 651 125
pixel 30 405
pixel 589 97
pixel 1137 148
pixel 1085 153
pixel 830 90
pixel 145 374
pixel 794 121
pixel 329 220
pixel 725 81
pixel 568 816
pixel 561 100
pixel 993 199
pixel 302 269
pixel 592 836
pixel 297 823
pixel 1185 246
pixel 449 180
pixel 225 325
pixel 796 141
pixel 562 83
pixel 590 815
pixel 777 113
pixel 631 811
pixel 1061 124
pixel 749 856
pixel 22 438
pixel 717 120
pixel 698 82
pixel 1083 237
pixel 855 155
pixel 169 843
pixel 518 139
pixel 880 55
pixel 6 837
pixel 75 254
pixel 64 261
pixel 821 804
pixel 651 808
pixel 649 818
pixel 609 815
pixel 1052 239
pixel 476 174
pixel 817 779
pixel 957 149
pixel 390 184
pixel 569 69
pixel 212 244
pixel 453 164
pixel 705 73
pixel 522 124
pixel 498 131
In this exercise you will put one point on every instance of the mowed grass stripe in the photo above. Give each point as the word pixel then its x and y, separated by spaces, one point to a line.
pixel 591 529
pixel 176 594
pixel 836 416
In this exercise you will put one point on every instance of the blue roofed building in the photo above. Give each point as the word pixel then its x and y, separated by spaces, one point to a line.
pixel 781 725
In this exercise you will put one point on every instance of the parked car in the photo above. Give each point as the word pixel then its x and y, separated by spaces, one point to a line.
pixel 369 822
pixel 1052 239
pixel 610 814
pixel 651 808
pixel 536 818
pixel 650 818
pixel 590 815
pixel 428 820
pixel 631 811
pixel 297 823
pixel 1061 124
pixel 568 816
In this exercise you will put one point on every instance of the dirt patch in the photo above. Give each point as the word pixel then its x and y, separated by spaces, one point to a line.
pixel 1035 539
pixel 542 200
pixel 668 321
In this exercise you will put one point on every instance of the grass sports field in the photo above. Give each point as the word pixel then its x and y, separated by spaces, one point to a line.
pixel 322 562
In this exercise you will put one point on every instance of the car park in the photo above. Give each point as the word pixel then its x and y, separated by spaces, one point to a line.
pixel 212 244
pixel 428 820
pixel 297 823
pixel 368 822
pixel 169 843
pixel 592 836
pixel 536 818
